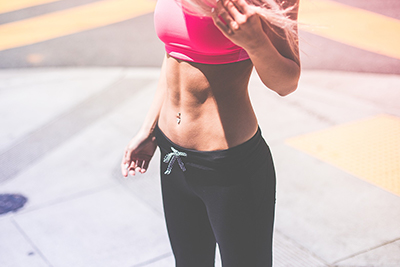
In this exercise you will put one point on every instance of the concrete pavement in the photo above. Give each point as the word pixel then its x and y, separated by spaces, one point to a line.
pixel 62 135
pixel 134 43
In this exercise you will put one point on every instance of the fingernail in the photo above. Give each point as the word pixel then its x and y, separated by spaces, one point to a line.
pixel 212 10
pixel 126 165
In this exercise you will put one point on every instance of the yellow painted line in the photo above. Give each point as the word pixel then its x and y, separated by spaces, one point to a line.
pixel 339 22
pixel 69 21
pixel 368 149
pixel 353 26
pixel 12 5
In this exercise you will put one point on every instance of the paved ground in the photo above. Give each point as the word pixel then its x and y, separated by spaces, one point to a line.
pixel 132 41
pixel 62 151
pixel 68 106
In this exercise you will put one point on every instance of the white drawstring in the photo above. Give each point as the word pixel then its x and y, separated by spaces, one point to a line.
pixel 170 158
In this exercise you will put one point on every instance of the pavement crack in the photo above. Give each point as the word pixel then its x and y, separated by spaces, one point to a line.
pixel 365 251
pixel 158 258
pixel 29 240
pixel 300 247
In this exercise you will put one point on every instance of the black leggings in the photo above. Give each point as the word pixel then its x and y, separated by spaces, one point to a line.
pixel 224 196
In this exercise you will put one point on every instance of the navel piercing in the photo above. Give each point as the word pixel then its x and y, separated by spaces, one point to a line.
pixel 178 118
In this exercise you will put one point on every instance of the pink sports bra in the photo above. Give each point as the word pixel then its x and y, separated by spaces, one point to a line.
pixel 193 38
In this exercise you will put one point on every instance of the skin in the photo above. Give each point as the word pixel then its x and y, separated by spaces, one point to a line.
pixel 216 112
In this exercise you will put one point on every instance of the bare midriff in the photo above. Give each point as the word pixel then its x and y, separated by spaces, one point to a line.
pixel 213 102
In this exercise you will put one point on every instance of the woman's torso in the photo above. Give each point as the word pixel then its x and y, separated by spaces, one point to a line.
pixel 213 102
pixel 212 98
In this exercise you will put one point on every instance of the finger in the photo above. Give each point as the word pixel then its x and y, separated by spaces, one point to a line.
pixel 241 6
pixel 132 166
pixel 219 23
pixel 144 166
pixel 138 166
pixel 233 10
pixel 124 169
pixel 230 22
pixel 129 168
pixel 124 166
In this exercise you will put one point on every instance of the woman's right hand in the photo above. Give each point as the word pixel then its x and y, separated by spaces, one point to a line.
pixel 138 154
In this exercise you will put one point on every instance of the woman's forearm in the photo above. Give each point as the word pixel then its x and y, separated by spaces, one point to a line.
pixel 271 50
pixel 151 118
pixel 277 72
pixel 276 61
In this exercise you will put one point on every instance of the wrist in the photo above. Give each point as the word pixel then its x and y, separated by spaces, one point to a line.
pixel 147 131
pixel 258 44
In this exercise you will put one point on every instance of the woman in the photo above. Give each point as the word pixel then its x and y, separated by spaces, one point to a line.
pixel 217 175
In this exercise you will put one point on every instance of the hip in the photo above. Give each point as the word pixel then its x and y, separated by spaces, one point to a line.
pixel 219 165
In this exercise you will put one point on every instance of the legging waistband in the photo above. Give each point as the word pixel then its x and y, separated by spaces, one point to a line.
pixel 239 154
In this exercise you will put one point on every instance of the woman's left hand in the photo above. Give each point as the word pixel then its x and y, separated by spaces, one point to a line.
pixel 239 22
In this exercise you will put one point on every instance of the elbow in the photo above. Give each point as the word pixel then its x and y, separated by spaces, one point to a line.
pixel 285 84
pixel 288 89
pixel 291 84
